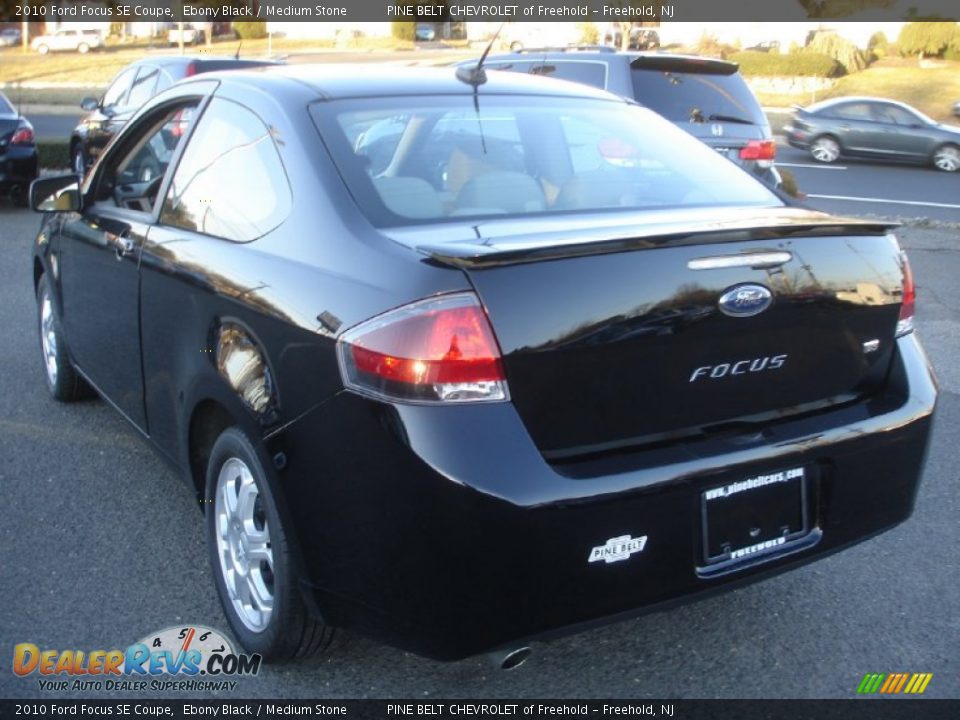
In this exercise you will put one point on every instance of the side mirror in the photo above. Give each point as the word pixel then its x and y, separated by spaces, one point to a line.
pixel 59 193
pixel 89 103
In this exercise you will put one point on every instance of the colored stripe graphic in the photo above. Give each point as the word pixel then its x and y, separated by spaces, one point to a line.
pixel 894 683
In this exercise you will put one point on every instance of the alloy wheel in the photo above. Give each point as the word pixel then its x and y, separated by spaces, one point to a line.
pixel 243 545
pixel 947 159
pixel 825 150
pixel 48 340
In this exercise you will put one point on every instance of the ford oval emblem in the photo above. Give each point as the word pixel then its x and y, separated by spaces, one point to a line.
pixel 745 300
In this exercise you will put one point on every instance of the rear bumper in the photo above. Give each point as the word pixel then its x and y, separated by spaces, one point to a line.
pixel 797 138
pixel 443 531
pixel 18 166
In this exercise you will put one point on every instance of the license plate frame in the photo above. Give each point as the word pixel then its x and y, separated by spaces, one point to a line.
pixel 755 516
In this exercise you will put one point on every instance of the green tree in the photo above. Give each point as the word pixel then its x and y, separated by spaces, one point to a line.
pixel 929 38
pixel 251 30
pixel 403 29
pixel 840 49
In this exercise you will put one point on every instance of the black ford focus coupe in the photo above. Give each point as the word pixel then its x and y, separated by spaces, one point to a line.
pixel 461 359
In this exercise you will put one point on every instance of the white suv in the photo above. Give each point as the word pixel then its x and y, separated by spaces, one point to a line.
pixel 80 41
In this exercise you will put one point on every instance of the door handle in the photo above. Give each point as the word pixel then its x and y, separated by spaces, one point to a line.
pixel 124 246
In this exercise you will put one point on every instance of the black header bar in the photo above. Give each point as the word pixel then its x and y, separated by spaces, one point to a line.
pixel 600 11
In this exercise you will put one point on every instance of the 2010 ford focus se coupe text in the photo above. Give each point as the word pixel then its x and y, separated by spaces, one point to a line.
pixel 459 359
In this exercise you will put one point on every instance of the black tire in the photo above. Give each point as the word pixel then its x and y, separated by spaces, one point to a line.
pixel 65 383
pixel 291 631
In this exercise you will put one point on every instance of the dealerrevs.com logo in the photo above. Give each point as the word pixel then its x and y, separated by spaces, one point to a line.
pixel 178 658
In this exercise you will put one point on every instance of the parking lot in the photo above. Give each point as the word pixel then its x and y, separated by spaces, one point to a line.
pixel 102 545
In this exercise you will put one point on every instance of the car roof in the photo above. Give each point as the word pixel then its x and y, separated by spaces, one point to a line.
pixel 334 80
pixel 855 99
pixel 660 61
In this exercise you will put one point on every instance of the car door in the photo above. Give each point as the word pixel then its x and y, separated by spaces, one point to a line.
pixel 856 127
pixel 903 131
pixel 64 40
pixel 100 254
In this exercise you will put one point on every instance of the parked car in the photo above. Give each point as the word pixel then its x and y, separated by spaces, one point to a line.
pixel 68 39
pixel 766 46
pixel 425 32
pixel 9 37
pixel 708 98
pixel 18 153
pixel 871 127
pixel 640 39
pixel 130 89
pixel 557 363
pixel 191 35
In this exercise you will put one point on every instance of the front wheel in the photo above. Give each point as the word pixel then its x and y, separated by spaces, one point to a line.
pixel 83 48
pixel 78 161
pixel 251 557
pixel 43 49
pixel 825 149
pixel 63 381
pixel 947 158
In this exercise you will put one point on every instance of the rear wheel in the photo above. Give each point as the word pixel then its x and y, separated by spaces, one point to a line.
pixel 825 149
pixel 83 48
pixel 251 557
pixel 43 49
pixel 63 381
pixel 947 158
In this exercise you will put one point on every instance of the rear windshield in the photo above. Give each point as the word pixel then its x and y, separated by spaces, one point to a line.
pixel 697 97
pixel 431 159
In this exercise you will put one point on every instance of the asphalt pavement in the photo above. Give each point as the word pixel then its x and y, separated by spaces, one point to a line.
pixel 854 187
pixel 103 544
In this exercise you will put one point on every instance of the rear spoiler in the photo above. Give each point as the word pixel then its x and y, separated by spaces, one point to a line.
pixel 519 249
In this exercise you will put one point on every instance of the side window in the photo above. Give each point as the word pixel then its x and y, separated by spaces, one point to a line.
pixel 118 88
pixel 853 111
pixel 230 182
pixel 132 174
pixel 893 115
pixel 143 87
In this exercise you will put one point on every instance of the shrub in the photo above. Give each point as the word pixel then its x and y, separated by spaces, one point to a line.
pixel 53 154
pixel 801 63
pixel 253 30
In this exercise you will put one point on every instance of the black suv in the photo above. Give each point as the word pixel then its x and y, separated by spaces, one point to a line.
pixel 706 97
pixel 129 91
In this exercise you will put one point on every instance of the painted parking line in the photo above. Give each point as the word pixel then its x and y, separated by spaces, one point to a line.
pixel 885 202
pixel 810 165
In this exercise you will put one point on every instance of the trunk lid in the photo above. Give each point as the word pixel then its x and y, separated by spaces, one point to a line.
pixel 613 334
